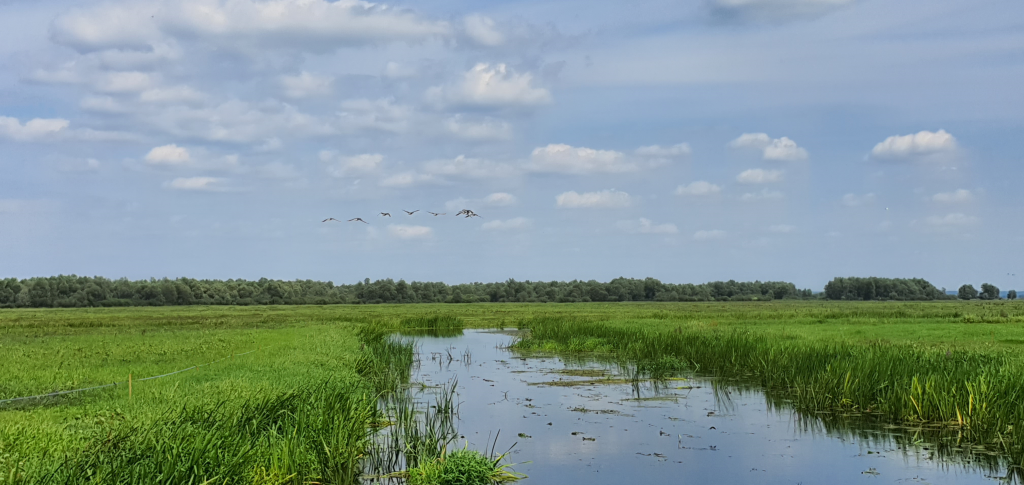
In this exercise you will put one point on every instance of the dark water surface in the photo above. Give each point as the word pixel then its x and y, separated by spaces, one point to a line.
pixel 686 432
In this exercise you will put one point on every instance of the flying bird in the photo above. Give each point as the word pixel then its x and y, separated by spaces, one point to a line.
pixel 464 211
pixel 385 214
pixel 360 219
pixel 330 219
pixel 410 213
pixel 472 214
pixel 435 214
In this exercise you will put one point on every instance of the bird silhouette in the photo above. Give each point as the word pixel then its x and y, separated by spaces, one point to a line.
pixel 360 219
pixel 464 211
pixel 435 214
pixel 410 213
pixel 385 214
pixel 330 219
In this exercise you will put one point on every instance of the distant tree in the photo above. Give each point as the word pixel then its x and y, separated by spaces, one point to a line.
pixel 967 292
pixel 989 292
pixel 1011 295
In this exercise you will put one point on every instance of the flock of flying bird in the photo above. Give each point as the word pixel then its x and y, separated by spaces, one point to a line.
pixel 464 212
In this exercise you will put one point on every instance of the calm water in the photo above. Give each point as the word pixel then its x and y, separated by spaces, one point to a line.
pixel 684 433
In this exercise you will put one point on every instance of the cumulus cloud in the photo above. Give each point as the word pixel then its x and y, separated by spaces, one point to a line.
pixel 950 220
pixel 313 25
pixel 394 70
pixel 488 86
pixel 500 199
pixel 698 188
pixel 578 160
pixel 347 166
pixel 482 30
pixel 208 184
pixel 773 11
pixel 763 195
pixel 408 179
pixel 306 85
pixel 778 149
pixel 706 235
pixel 485 129
pixel 403 231
pixel 514 224
pixel 646 226
pixel 782 228
pixel 168 155
pixel 124 82
pixel 854 200
pixel 32 130
pixel 759 176
pixel 238 121
pixel 657 151
pixel 462 166
pixel 605 199
pixel 921 144
pixel 959 195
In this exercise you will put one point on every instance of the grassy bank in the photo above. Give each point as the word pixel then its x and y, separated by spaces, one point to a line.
pixel 968 385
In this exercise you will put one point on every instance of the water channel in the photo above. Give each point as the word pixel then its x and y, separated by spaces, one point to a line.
pixel 569 430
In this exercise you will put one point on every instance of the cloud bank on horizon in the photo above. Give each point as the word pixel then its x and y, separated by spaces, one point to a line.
pixel 732 139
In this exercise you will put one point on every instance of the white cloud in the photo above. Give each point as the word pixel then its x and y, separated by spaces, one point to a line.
pixel 605 199
pixel 646 226
pixel 514 224
pixel 778 149
pixel 380 114
pixel 407 179
pixel 168 155
pixel 402 231
pixel 959 195
pixel 578 160
pixel 209 184
pixel 706 235
pixel 920 144
pixel 758 141
pixel 461 166
pixel 496 86
pixel 109 25
pixel 482 30
pixel 698 188
pixel 174 94
pixel 238 121
pixel 952 219
pixel 124 82
pixel 785 150
pixel 500 199
pixel 306 85
pixel 394 70
pixel 486 129
pixel 774 10
pixel 854 200
pixel 759 176
pixel 347 166
pixel 678 150
pixel 34 129
pixel 782 228
pixel 103 104
pixel 763 195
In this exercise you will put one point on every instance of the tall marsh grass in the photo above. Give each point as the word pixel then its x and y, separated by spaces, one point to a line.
pixel 980 395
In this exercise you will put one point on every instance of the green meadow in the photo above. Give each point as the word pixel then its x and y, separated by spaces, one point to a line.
pixel 303 405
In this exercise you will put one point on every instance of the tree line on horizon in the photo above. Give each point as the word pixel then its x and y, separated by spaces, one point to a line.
pixel 69 291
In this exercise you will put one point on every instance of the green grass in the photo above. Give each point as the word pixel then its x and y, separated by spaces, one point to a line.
pixel 955 364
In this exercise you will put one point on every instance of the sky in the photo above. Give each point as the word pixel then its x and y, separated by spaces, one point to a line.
pixel 689 141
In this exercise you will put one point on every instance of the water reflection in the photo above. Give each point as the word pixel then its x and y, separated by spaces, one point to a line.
pixel 594 422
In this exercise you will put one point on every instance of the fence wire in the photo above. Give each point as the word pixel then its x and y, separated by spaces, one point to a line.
pixel 119 383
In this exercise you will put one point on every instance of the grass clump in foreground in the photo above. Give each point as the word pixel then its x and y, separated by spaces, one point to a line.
pixel 462 467
pixel 977 395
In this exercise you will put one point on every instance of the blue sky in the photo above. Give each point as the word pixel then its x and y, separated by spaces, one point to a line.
pixel 692 141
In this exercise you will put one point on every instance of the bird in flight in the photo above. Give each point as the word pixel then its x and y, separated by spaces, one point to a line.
pixel 330 219
pixel 410 213
pixel 435 214
pixel 360 219
pixel 385 214
pixel 468 213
